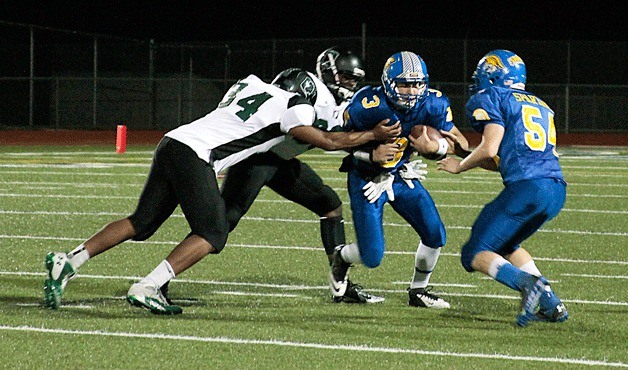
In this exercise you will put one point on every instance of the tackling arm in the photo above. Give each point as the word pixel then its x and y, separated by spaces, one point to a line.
pixel 341 140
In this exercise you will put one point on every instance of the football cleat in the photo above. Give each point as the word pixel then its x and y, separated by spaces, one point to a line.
pixel 165 292
pixel 422 297
pixel 59 272
pixel 356 294
pixel 551 308
pixel 338 274
pixel 149 297
pixel 530 296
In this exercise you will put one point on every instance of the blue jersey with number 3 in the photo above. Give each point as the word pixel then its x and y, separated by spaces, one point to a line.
pixel 528 149
pixel 369 106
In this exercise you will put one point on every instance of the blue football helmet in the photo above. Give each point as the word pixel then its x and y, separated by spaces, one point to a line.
pixel 498 68
pixel 405 67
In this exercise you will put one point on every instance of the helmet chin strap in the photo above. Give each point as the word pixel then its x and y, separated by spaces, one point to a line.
pixel 404 105
pixel 345 93
pixel 341 92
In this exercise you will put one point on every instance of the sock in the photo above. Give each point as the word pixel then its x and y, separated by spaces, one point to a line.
pixel 511 276
pixel 495 265
pixel 530 268
pixel 78 256
pixel 424 262
pixel 351 254
pixel 162 274
pixel 332 233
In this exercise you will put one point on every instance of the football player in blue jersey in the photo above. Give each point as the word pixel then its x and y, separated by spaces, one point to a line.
pixel 519 141
pixel 403 97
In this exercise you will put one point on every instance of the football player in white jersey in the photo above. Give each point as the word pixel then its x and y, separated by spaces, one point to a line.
pixel 252 117
pixel 340 73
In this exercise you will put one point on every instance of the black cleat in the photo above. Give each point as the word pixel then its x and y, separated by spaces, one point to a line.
pixel 338 274
pixel 422 297
pixel 356 294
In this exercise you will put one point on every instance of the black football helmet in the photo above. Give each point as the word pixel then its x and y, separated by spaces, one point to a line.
pixel 297 80
pixel 342 72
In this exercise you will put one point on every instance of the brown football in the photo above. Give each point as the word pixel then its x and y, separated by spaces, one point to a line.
pixel 432 133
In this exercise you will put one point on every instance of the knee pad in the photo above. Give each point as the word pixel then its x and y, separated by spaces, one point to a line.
pixel 234 215
pixel 143 230
pixel 467 254
pixel 436 239
pixel 372 260
pixel 329 200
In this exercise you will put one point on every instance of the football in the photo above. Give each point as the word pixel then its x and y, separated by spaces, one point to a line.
pixel 433 134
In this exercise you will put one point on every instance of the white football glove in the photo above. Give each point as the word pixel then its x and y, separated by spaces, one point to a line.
pixel 413 170
pixel 380 183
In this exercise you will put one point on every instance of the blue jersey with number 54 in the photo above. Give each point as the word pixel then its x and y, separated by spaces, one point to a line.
pixel 528 149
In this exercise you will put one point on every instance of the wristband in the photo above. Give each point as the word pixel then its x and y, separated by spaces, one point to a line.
pixel 443 146
pixel 363 156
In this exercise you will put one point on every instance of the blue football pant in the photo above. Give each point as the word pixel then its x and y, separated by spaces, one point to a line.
pixel 416 206
pixel 517 213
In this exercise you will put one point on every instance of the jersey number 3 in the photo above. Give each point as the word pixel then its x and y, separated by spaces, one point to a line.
pixel 536 138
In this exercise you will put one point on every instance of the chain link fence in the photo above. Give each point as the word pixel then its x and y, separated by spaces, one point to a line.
pixel 58 79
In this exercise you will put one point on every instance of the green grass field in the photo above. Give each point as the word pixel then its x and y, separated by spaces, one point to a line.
pixel 263 303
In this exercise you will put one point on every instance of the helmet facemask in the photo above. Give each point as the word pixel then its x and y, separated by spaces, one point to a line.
pixel 407 100
pixel 342 72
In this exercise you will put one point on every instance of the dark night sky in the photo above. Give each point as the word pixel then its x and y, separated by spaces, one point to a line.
pixel 250 20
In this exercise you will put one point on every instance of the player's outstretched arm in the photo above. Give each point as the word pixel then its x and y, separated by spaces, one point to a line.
pixel 483 156
pixel 341 140
pixel 460 147
pixel 456 138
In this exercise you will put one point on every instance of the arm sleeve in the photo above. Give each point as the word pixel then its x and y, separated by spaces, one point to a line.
pixel 301 114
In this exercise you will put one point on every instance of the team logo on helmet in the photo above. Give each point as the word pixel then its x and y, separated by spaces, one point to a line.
pixel 515 60
pixel 308 88
pixel 494 61
pixel 390 61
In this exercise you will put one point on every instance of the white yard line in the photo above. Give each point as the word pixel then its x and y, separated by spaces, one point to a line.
pixel 268 219
pixel 289 287
pixel 293 247
pixel 325 346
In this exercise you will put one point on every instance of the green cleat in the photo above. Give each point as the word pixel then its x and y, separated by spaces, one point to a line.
pixel 60 271
pixel 150 297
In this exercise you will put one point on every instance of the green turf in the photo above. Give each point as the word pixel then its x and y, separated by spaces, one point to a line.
pixel 263 303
